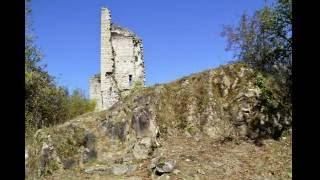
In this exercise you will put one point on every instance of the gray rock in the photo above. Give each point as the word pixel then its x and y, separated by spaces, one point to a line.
pixel 116 170
pixel 123 169
pixel 99 170
pixel 88 154
pixel 120 169
pixel 160 165
pixel 142 149
pixel 166 167
pixel 48 154
pixel 90 140
pixel 153 163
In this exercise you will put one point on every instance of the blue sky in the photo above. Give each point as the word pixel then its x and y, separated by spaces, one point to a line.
pixel 180 37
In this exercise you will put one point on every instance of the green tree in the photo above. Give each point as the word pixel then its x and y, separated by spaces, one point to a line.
pixel 78 104
pixel 264 40
pixel 46 103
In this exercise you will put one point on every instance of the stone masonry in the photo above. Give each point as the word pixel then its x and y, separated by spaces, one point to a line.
pixel 121 63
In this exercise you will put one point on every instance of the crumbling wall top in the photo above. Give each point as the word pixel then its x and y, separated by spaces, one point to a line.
pixel 96 77
pixel 117 30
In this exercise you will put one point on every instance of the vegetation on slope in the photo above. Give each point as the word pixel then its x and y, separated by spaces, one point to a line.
pixel 229 103
pixel 264 41
pixel 46 103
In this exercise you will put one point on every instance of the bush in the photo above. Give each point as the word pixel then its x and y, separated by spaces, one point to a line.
pixel 264 41
pixel 137 86
pixel 78 104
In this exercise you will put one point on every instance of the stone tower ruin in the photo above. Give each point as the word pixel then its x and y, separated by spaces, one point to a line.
pixel 121 63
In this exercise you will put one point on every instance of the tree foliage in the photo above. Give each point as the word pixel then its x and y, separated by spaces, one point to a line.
pixel 264 40
pixel 46 103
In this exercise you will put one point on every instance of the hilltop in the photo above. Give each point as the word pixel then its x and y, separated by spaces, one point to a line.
pixel 225 123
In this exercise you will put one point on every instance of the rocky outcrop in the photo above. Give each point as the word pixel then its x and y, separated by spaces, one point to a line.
pixel 230 102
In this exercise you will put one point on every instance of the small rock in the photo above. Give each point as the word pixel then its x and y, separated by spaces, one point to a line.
pixel 99 169
pixel 154 162
pixel 120 170
pixel 159 165
pixel 200 171
pixel 188 160
pixel 123 169
pixel 166 167
pixel 216 164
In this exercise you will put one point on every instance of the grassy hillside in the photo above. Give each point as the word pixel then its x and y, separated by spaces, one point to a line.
pixel 230 106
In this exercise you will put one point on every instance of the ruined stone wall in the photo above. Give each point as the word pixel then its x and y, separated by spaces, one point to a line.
pixel 121 62
pixel 124 60
pixel 95 91
pixel 138 62
pixel 107 59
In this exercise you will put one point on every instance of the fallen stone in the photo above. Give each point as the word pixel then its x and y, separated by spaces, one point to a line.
pixel 99 170
pixel 160 165
pixel 166 167
pixel 120 169
pixel 200 171
pixel 123 169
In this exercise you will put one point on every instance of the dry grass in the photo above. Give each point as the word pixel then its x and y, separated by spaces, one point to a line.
pixel 229 160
